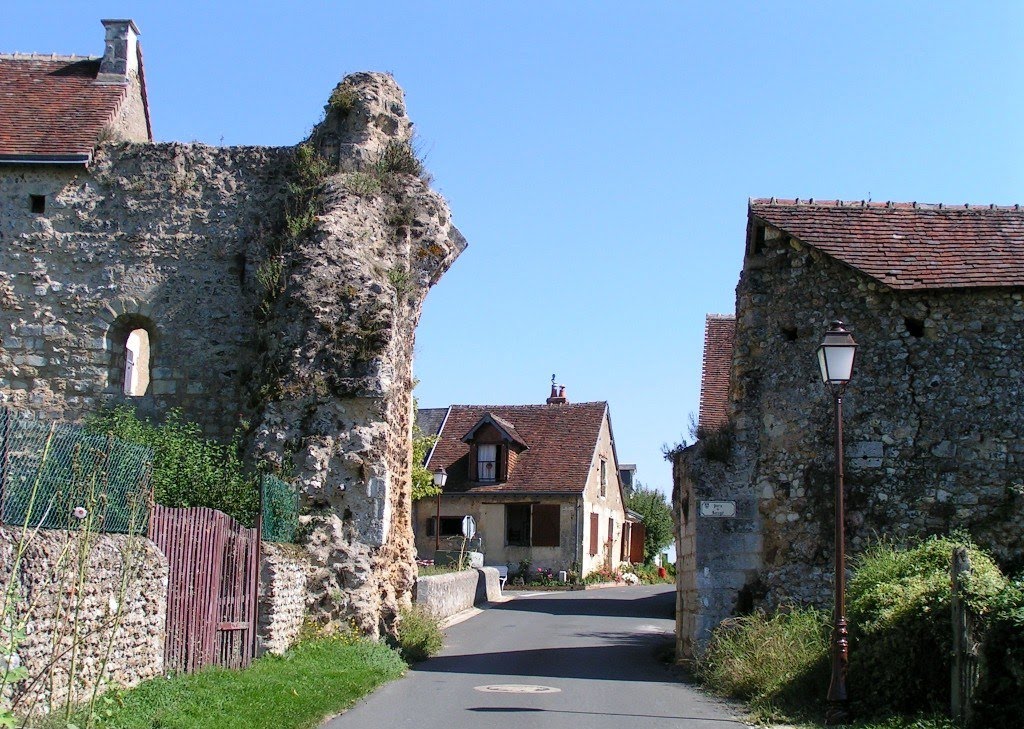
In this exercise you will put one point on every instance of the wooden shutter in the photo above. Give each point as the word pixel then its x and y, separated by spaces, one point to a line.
pixel 636 543
pixel 546 526
pixel 471 474
pixel 501 467
pixel 625 546
pixel 593 534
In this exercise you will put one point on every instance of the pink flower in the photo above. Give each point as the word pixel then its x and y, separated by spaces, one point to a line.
pixel 79 512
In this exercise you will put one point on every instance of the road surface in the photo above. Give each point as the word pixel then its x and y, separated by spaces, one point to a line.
pixel 589 659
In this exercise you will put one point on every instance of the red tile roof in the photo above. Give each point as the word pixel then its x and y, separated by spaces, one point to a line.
pixel 53 105
pixel 907 245
pixel 561 441
pixel 719 333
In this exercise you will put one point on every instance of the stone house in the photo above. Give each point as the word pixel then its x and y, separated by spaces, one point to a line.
pixel 934 295
pixel 541 481
pixel 271 292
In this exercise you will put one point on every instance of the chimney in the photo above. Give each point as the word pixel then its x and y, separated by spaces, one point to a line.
pixel 120 54
pixel 557 393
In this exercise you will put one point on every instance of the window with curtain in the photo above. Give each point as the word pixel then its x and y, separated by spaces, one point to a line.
pixel 487 462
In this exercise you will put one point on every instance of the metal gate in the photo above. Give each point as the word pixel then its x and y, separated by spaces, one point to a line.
pixel 213 573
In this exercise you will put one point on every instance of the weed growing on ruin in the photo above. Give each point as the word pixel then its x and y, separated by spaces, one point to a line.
pixel 363 184
pixel 303 204
pixel 343 100
pixel 398 157
pixel 270 278
pixel 400 279
pixel 310 168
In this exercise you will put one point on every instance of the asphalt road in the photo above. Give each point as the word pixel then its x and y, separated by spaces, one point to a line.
pixel 550 661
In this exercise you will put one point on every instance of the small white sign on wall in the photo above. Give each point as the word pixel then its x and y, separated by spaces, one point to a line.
pixel 718 509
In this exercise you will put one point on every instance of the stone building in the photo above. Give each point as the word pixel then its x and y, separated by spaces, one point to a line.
pixel 934 295
pixel 268 291
pixel 541 481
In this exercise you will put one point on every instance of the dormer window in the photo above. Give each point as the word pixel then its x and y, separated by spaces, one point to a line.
pixel 494 446
pixel 487 462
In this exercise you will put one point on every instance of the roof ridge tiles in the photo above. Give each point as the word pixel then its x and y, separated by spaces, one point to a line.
pixel 874 204
pixel 17 56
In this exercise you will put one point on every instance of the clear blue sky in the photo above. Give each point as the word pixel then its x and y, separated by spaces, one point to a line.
pixel 598 156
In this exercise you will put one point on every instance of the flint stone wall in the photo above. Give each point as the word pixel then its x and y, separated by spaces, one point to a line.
pixel 281 609
pixel 934 433
pixel 284 312
pixel 118 615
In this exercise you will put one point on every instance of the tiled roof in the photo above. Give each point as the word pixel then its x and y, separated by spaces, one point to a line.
pixel 562 440
pixel 429 420
pixel 719 332
pixel 52 105
pixel 907 245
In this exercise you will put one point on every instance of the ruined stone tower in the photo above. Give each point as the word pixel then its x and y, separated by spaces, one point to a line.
pixel 278 290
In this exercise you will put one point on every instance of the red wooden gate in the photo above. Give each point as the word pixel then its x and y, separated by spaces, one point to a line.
pixel 213 573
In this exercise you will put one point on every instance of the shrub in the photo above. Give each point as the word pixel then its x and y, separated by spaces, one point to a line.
pixel 769 659
pixel 1000 699
pixel 899 612
pixel 419 634
pixel 188 469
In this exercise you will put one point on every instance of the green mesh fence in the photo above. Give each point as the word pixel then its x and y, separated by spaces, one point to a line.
pixel 280 510
pixel 58 476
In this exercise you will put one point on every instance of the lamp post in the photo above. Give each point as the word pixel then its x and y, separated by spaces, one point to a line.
pixel 836 355
pixel 440 477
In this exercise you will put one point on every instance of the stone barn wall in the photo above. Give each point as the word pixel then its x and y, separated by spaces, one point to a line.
pixel 933 432
pixel 280 289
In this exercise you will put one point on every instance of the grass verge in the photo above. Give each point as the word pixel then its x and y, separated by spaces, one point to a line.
pixel 295 691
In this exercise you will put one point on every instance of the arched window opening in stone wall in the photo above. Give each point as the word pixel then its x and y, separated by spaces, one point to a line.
pixel 131 342
pixel 136 369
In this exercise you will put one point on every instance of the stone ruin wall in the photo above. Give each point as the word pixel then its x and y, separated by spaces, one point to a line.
pixel 301 336
pixel 934 434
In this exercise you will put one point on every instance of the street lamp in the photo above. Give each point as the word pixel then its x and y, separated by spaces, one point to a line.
pixel 836 354
pixel 440 478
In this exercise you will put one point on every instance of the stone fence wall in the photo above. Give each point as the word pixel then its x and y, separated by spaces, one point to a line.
pixel 448 594
pixel 93 610
pixel 282 598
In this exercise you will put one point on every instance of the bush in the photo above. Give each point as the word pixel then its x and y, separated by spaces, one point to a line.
pixel 419 634
pixel 769 659
pixel 899 612
pixel 188 469
pixel 1000 696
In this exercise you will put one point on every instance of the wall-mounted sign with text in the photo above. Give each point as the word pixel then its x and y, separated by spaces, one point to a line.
pixel 720 509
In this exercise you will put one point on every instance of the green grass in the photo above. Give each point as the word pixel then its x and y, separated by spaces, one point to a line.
pixel 312 681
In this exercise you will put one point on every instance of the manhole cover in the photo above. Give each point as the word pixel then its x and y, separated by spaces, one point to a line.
pixel 517 688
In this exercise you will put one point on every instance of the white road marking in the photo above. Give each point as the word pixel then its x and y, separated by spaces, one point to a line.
pixel 517 688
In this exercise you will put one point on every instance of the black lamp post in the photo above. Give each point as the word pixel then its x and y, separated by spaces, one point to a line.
pixel 836 355
pixel 440 477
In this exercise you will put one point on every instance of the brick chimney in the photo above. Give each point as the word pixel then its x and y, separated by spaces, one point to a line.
pixel 557 394
pixel 120 59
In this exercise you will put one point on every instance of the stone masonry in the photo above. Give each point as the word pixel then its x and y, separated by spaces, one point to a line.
pixel 280 289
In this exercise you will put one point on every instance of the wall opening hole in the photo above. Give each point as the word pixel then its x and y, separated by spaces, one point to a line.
pixel 789 333
pixel 757 241
pixel 136 367
pixel 914 326
pixel 37 203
